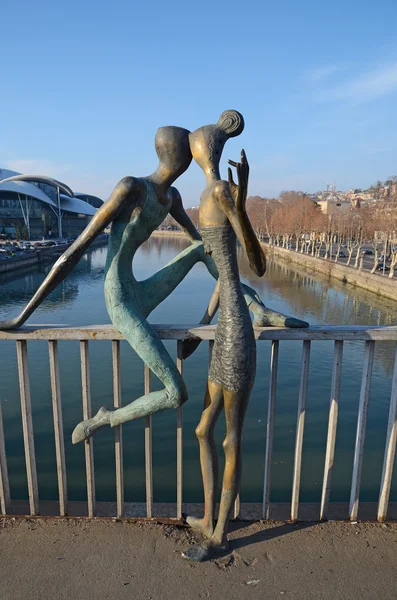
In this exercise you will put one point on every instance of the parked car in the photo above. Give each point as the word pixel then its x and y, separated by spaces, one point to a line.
pixel 366 252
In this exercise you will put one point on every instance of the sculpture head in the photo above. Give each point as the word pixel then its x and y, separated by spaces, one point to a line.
pixel 207 142
pixel 173 151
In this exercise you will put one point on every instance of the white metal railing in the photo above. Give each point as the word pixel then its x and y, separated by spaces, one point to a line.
pixel 85 335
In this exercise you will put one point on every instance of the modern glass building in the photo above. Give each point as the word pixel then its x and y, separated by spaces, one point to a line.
pixel 33 207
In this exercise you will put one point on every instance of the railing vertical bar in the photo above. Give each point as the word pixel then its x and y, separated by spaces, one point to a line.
pixel 361 428
pixel 89 448
pixel 390 449
pixel 148 449
pixel 27 424
pixel 179 440
pixel 5 498
pixel 332 424
pixel 118 433
pixel 300 426
pixel 58 426
pixel 270 428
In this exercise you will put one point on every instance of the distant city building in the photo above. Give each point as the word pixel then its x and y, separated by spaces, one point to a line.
pixel 331 206
pixel 332 201
pixel 38 206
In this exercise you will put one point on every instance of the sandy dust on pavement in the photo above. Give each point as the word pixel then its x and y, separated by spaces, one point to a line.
pixel 73 560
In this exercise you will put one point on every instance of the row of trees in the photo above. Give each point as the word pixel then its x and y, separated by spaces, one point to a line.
pixel 295 220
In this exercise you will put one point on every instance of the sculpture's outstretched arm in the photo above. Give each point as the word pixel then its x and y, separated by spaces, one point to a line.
pixel 181 217
pixel 67 261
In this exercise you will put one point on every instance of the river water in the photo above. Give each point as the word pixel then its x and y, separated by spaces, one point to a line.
pixel 79 301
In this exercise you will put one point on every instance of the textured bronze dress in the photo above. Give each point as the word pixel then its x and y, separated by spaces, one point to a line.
pixel 233 362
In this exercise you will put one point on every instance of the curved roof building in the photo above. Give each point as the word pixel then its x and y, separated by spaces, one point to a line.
pixel 75 205
pixel 40 206
pixel 23 188
pixel 93 200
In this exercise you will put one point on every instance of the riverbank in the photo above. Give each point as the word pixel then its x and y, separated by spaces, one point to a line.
pixel 100 559
pixel 39 257
pixel 165 233
pixel 370 282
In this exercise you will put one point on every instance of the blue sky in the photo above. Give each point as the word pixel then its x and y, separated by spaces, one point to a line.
pixel 85 85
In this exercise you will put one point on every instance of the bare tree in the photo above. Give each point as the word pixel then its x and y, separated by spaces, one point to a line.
pixel 193 214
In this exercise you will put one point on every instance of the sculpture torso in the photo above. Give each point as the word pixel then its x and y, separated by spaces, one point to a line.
pixel 128 232
pixel 233 360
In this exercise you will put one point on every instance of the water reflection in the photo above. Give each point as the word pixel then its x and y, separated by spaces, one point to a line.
pixel 79 300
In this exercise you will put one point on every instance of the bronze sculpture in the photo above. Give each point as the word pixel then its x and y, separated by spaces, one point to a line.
pixel 137 207
pixel 222 218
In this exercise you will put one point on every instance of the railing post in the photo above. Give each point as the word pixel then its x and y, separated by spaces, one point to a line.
pixel 27 424
pixel 300 426
pixel 88 444
pixel 118 435
pixel 390 449
pixel 58 426
pixel 179 441
pixel 5 498
pixel 270 428
pixel 332 424
pixel 148 449
pixel 361 427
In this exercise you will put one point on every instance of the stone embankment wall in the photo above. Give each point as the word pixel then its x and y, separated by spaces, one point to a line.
pixel 364 279
pixel 43 255
pixel 162 232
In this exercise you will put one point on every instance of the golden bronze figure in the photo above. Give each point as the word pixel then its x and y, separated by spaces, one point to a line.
pixel 223 217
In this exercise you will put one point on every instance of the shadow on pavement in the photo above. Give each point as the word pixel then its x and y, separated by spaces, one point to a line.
pixel 263 535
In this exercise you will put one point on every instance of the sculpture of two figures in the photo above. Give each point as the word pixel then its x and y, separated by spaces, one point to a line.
pixel 135 209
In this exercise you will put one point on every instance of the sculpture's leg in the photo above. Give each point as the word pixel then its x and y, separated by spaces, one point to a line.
pixel 213 404
pixel 158 287
pixel 235 404
pixel 266 317
pixel 150 349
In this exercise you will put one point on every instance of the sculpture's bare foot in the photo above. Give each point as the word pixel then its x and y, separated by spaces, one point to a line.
pixel 200 525
pixel 265 317
pixel 205 551
pixel 86 429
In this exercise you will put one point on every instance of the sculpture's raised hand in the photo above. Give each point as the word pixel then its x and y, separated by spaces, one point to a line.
pixel 239 190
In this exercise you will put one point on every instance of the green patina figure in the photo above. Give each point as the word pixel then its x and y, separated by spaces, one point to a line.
pixel 135 209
